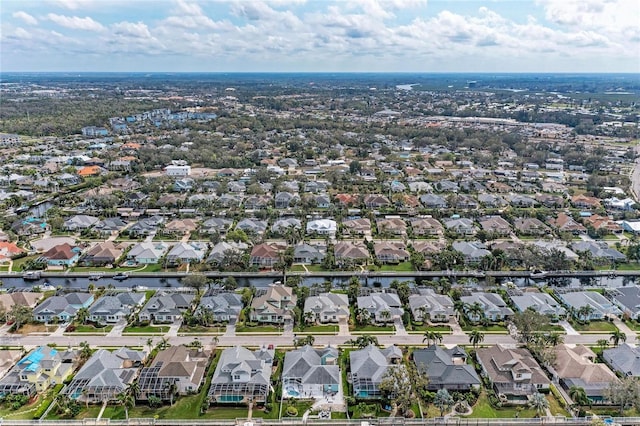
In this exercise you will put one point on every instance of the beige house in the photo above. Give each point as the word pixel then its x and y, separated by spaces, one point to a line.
pixel 274 306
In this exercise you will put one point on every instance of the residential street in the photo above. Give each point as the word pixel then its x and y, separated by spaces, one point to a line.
pixel 258 339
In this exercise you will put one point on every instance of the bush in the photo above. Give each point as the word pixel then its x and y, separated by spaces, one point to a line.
pixel 556 394
pixel 292 411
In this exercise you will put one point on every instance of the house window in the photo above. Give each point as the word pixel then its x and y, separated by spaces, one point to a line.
pixel 518 376
pixel 236 377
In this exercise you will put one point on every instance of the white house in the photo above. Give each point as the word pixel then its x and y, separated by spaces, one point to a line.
pixel 178 168
pixel 322 227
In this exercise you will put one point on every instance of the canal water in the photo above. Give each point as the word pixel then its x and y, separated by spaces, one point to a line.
pixel 385 281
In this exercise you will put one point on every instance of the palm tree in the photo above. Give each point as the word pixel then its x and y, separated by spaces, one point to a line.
pixel 85 351
pixel 553 339
pixel 579 396
pixel 617 336
pixel 133 389
pixel 82 315
pixel 475 311
pixel 476 337
pixel 460 307
pixel 539 403
pixel 602 343
pixel 309 317
pixel 386 315
pixel 127 401
pixel 215 340
pixel 584 312
pixel 150 343
pixel 171 388
pixel 163 344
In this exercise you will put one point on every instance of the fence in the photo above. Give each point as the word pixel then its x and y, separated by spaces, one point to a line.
pixel 394 421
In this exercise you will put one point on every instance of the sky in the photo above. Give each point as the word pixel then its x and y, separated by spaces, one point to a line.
pixel 320 35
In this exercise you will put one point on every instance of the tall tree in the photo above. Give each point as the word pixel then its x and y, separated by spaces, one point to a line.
pixel 402 384
pixel 476 337
pixel 617 336
pixel 624 392
pixel 539 403
pixel 443 400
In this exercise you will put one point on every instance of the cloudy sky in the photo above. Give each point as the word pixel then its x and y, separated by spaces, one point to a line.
pixel 321 35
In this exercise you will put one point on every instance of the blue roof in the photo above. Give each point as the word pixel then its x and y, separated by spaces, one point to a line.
pixel 34 358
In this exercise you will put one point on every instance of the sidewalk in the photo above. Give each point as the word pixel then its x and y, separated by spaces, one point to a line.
pixel 568 328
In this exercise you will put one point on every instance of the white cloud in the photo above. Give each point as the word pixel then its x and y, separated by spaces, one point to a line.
pixel 130 29
pixel 75 22
pixel 25 17
pixel 74 4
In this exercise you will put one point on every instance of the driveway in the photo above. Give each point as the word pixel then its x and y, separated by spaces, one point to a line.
pixel 399 325
pixel 117 329
pixel 568 328
pixel 231 328
pixel 173 330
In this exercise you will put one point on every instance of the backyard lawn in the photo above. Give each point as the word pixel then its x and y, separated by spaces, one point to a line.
pixel 483 409
pixel 401 267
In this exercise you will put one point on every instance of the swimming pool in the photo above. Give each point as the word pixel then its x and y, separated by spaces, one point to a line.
pixel 292 392
pixel 230 398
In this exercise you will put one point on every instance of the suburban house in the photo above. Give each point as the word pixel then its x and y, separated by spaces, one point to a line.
pixel 428 305
pixel 392 226
pixel 309 254
pixel 540 302
pixel 8 250
pixel 252 226
pixel 513 373
pixel 599 250
pixel 19 298
pixel 145 226
pixel 346 252
pixel 360 226
pixel 368 367
pixel 627 299
pixel 461 226
pixel 446 368
pixel 189 252
pixel 38 370
pixel 274 305
pixel 109 225
pixel 79 222
pixel 565 223
pixel 383 307
pixel 426 226
pixel 111 309
pixel 390 252
pixel 327 307
pixel 166 307
pixel 8 359
pixel 241 375
pixel 216 225
pixel 495 225
pixel 147 252
pixel 180 227
pixel 177 365
pixel 530 226
pixel 433 201
pixel 625 359
pixel 327 227
pixel 61 307
pixel 310 373
pixel 575 366
pixel 286 224
pixel 104 253
pixel 494 308
pixel 222 306
pixel 375 201
pixel 265 255
pixel 224 251
pixel 64 255
pixel 105 375
pixel 600 306
pixel 472 251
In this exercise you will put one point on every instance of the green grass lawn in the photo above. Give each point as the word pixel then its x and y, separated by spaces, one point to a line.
pixel 554 328
pixel 148 329
pixel 421 328
pixel 218 329
pixel 594 327
pixel 256 328
pixel 483 410
pixel 400 267
pixel 17 264
pixel 634 325
pixel 625 267
pixel 494 329
pixel 88 328
pixel 372 328
pixel 25 412
pixel 4 268
pixel 330 329
pixel 555 407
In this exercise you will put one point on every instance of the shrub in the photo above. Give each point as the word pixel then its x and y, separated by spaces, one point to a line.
pixel 292 411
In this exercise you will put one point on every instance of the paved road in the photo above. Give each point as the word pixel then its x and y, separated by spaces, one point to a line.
pixel 258 340
pixel 635 177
